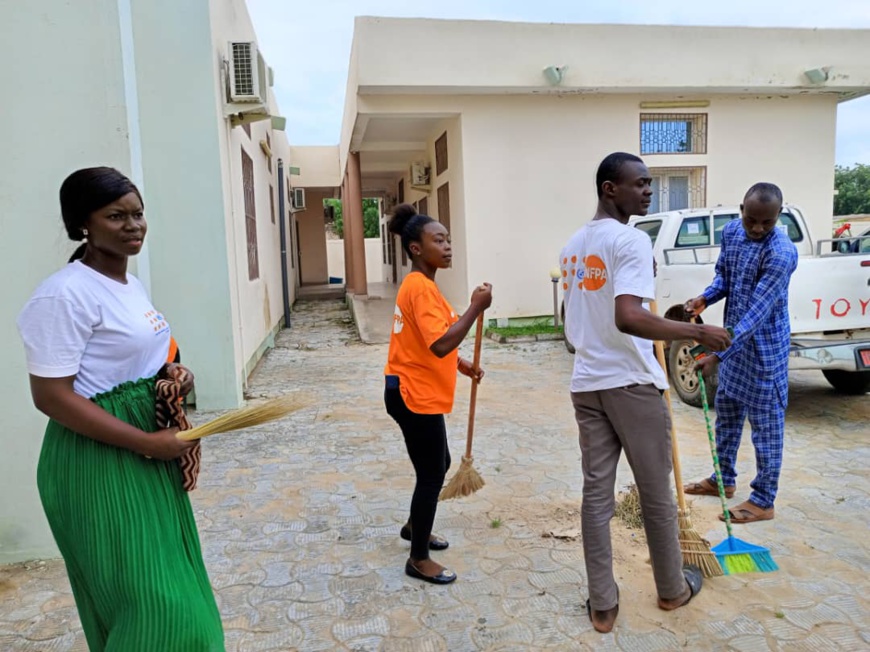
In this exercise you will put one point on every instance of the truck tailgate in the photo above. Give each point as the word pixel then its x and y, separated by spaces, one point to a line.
pixel 830 293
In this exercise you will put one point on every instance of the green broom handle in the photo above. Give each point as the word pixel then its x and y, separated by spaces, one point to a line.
pixel 712 439
pixel 472 402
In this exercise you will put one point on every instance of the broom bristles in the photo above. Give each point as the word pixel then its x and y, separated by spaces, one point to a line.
pixel 247 417
pixel 696 549
pixel 466 481
pixel 738 556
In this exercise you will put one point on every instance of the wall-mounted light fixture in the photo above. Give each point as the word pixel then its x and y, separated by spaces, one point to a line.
pixel 554 74
pixel 816 75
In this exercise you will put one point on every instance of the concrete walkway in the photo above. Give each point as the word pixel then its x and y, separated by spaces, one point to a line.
pixel 373 314
pixel 299 523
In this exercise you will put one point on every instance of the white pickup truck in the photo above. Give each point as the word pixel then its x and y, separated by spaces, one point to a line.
pixel 829 294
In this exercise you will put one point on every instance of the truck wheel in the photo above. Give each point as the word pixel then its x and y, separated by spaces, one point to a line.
pixel 684 380
pixel 854 383
pixel 568 344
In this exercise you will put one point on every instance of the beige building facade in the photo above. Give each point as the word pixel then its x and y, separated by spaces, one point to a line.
pixel 480 135
pixel 143 86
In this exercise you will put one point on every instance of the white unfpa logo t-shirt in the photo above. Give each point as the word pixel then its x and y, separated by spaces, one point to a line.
pixel 398 320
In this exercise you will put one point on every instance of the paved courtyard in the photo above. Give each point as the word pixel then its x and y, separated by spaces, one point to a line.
pixel 299 523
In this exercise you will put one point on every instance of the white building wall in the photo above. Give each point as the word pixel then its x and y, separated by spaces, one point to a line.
pixel 374 259
pixel 65 115
pixel 177 68
pixel 453 282
pixel 257 303
pixel 171 55
pixel 528 171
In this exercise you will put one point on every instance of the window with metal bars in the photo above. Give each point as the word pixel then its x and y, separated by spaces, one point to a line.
pixel 673 133
pixel 678 188
pixel 250 217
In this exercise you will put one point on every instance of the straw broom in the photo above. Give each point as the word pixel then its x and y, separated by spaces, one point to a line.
pixel 467 480
pixel 695 548
pixel 247 417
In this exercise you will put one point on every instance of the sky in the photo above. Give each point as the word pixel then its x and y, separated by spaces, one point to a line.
pixel 308 44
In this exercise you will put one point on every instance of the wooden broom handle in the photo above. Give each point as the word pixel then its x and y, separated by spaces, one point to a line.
pixel 675 448
pixel 478 340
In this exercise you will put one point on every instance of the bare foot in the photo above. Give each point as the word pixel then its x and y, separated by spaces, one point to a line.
pixel 676 603
pixel 694 581
pixel 602 621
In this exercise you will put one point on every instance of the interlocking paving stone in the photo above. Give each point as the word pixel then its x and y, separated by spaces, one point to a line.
pixel 516 633
pixel 355 628
pixel 816 615
pixel 299 523
pixel 749 644
pixel 844 636
pixel 648 642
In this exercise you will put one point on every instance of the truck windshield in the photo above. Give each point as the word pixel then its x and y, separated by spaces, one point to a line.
pixel 695 231
pixel 651 228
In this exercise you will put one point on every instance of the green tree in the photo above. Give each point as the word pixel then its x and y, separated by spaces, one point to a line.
pixel 371 217
pixel 853 190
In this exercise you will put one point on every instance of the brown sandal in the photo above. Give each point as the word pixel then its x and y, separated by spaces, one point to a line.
pixel 748 512
pixel 707 487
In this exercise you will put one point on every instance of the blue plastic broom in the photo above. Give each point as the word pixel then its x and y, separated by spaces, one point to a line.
pixel 734 555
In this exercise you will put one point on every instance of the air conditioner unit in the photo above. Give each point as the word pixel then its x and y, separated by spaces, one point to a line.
pixel 249 76
pixel 299 199
pixel 420 175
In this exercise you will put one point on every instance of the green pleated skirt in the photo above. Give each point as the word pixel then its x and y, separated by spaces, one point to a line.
pixel 126 531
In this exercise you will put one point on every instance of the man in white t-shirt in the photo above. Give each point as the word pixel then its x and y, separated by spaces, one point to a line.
pixel 617 385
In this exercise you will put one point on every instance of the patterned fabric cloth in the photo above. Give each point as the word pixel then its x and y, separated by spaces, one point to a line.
pixel 768 426
pixel 753 275
pixel 170 413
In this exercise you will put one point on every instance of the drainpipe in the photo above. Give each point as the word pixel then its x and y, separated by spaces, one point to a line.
pixel 286 290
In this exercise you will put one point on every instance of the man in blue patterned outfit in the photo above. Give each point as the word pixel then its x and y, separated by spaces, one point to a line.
pixel 752 273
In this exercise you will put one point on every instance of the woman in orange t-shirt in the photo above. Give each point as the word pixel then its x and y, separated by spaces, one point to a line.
pixel 421 376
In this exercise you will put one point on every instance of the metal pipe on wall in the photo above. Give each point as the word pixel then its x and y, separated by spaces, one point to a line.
pixel 283 229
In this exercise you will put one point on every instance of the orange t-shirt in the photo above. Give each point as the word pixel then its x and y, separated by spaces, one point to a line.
pixel 422 316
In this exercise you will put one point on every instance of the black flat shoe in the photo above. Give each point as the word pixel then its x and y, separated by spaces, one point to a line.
pixel 435 542
pixel 444 577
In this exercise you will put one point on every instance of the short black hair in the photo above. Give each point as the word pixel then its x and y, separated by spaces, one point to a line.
pixel 765 193
pixel 88 190
pixel 610 168
pixel 408 225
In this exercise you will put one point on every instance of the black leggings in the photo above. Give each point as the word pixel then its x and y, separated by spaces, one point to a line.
pixel 426 441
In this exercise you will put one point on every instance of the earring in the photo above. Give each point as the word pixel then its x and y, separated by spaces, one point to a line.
pixel 85 232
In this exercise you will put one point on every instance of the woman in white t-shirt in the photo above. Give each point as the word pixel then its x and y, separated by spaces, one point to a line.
pixel 107 476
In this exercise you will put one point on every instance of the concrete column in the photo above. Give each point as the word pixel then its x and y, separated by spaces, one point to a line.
pixel 357 232
pixel 345 212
